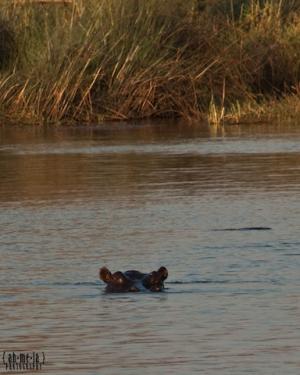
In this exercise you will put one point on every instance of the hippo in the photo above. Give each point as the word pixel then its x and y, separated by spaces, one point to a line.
pixel 133 281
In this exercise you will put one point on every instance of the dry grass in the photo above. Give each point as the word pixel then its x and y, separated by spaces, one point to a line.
pixel 86 61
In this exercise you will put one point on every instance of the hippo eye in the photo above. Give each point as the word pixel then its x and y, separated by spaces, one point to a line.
pixel 152 279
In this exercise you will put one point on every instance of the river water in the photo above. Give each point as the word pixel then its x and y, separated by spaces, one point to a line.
pixel 140 196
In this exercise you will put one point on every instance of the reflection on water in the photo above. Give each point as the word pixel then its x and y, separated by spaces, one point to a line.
pixel 72 200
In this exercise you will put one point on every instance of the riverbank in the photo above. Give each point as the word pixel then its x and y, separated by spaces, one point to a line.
pixel 90 61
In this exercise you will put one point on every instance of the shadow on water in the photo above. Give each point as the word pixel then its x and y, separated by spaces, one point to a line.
pixel 49 164
pixel 241 229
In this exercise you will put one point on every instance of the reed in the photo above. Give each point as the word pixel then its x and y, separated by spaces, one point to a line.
pixel 93 60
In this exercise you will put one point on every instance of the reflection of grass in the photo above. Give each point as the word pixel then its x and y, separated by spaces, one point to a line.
pixel 113 59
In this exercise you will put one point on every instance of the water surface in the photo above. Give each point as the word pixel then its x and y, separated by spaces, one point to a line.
pixel 141 196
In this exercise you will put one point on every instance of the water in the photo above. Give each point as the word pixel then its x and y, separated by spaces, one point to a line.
pixel 142 196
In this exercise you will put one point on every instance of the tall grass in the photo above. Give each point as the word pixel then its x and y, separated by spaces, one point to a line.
pixel 91 60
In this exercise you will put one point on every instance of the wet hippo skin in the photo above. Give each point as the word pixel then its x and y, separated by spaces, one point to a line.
pixel 133 281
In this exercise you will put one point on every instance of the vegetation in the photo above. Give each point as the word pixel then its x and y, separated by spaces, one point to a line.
pixel 92 60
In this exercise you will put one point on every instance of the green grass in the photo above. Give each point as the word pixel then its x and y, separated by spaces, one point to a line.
pixel 94 60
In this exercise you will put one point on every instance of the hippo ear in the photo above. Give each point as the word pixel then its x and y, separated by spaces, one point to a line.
pixel 105 274
pixel 163 272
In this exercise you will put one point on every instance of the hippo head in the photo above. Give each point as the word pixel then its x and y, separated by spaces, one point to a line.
pixel 154 281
